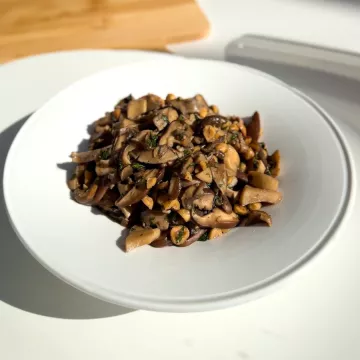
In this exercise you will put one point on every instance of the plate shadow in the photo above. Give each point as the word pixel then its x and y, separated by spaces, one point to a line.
pixel 25 283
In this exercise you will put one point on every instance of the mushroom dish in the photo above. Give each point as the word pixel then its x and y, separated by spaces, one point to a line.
pixel 175 171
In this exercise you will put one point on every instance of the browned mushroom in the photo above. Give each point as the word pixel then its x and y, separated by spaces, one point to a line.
pixel 187 195
pixel 220 177
pixel 193 238
pixel 216 219
pixel 231 158
pixel 250 195
pixel 126 172
pixel 275 160
pixel 136 194
pixel 85 197
pixel 162 241
pixel 226 205
pixel 174 188
pixel 140 236
pixel 123 188
pixel 205 201
pixel 180 132
pixel 255 217
pixel 87 156
pixel 194 171
pixel 73 183
pixel 191 105
pixel 159 155
pixel 263 181
pixel 179 234
pixel 153 102
pixel 164 117
pixel 254 127
pixel 136 108
pixel 155 218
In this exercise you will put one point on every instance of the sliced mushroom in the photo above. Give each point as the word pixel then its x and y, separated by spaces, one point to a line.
pixel 136 194
pixel 126 211
pixel 181 132
pixel 275 159
pixel 123 188
pixel 255 217
pixel 164 117
pixel 85 197
pixel 87 156
pixel 140 137
pixel 163 241
pixel 216 219
pixel 250 195
pixel 155 218
pixel 226 205
pixel 136 108
pixel 254 128
pixel 73 183
pixel 231 158
pixel 153 102
pixel 220 177
pixel 257 165
pixel 125 156
pixel 205 175
pixel 174 188
pixel 188 166
pixel 193 238
pixel 126 172
pixel 191 105
pixel 205 201
pixel 213 120
pixel 159 155
pixel 102 171
pixel 140 237
pixel 243 177
pixel 263 181
pixel 188 194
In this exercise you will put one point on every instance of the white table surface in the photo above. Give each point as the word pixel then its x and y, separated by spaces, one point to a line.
pixel 315 316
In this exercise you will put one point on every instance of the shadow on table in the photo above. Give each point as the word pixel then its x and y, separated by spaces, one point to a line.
pixel 24 283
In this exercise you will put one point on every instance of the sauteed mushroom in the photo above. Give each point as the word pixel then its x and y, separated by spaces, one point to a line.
pixel 175 171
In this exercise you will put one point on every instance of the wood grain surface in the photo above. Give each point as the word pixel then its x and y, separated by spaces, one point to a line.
pixel 35 26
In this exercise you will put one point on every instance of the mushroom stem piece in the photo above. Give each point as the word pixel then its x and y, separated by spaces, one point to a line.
pixel 251 195
pixel 140 237
pixel 263 181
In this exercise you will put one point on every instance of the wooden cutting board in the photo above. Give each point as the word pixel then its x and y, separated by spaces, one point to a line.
pixel 30 27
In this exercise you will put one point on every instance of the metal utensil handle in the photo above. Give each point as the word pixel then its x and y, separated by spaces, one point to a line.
pixel 295 53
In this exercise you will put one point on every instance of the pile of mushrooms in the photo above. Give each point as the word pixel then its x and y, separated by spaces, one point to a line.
pixel 175 171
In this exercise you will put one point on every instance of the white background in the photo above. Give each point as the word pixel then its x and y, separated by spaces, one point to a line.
pixel 316 316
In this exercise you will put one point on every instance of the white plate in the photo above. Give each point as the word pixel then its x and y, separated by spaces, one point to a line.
pixel 79 246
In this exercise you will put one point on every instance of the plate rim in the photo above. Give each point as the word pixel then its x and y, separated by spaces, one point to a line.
pixel 226 299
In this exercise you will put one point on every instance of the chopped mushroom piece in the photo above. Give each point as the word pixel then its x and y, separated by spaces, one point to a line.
pixel 205 175
pixel 205 202
pixel 185 214
pixel 254 128
pixel 263 181
pixel 255 217
pixel 155 218
pixel 176 171
pixel 136 194
pixel 275 159
pixel 251 195
pixel 140 237
pixel 158 156
pixel 214 233
pixel 216 219
pixel 136 108
pixel 179 234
